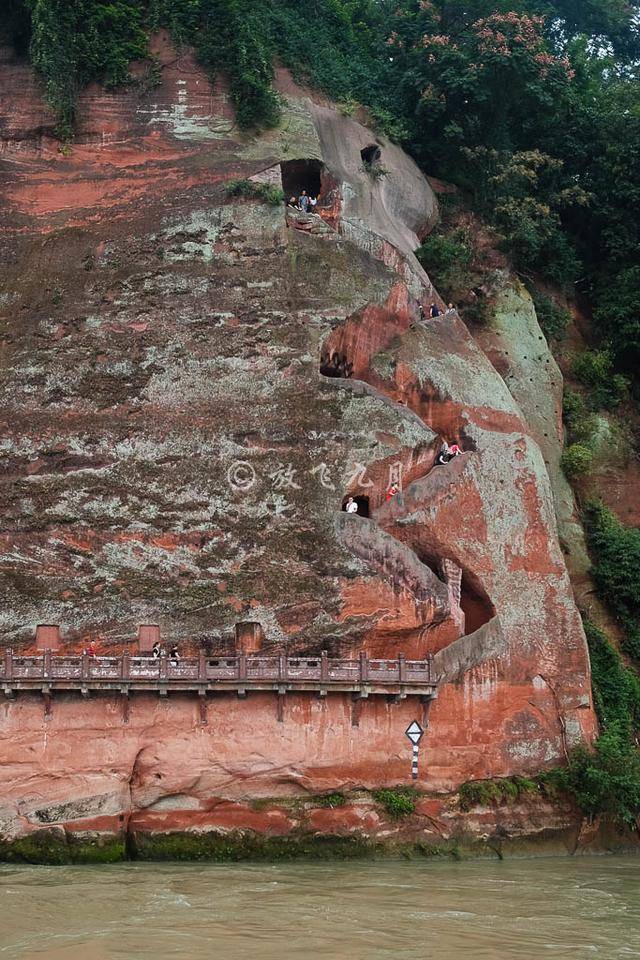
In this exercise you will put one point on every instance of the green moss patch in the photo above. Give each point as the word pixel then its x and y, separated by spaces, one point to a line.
pixel 398 802
pixel 56 847
pixel 238 845
pixel 486 793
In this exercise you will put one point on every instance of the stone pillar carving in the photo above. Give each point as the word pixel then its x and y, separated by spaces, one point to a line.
pixel 249 636
pixel 452 576
pixel 48 636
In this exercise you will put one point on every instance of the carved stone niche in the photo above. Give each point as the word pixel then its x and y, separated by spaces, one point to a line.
pixel 48 636
pixel 249 637
pixel 148 634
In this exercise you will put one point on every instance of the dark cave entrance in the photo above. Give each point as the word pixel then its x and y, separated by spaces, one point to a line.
pixel 476 606
pixel 363 505
pixel 299 175
pixel 474 602
pixel 335 365
pixel 370 154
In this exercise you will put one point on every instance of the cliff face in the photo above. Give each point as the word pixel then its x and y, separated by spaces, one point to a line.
pixel 173 455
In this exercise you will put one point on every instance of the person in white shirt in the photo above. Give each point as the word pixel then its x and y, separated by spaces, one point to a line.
pixel 352 506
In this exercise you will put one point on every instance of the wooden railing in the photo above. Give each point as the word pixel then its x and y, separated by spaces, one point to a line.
pixel 239 670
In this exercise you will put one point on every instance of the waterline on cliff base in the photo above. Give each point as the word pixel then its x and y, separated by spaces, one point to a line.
pixel 523 910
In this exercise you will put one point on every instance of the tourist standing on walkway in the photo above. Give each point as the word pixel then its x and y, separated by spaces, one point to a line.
pixel 303 201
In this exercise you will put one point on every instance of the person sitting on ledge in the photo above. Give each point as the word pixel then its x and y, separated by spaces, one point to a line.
pixel 293 203
pixel 352 506
pixel 447 452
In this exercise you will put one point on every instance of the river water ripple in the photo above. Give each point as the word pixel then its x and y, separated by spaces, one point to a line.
pixel 574 909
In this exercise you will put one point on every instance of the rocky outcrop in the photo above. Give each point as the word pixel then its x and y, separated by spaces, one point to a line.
pixel 172 455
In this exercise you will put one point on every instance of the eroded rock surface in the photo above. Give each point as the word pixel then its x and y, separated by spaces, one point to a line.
pixel 172 455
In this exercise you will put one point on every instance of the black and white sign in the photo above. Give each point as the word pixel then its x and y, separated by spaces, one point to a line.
pixel 415 732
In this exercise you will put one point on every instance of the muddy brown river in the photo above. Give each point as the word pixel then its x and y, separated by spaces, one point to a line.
pixel 575 909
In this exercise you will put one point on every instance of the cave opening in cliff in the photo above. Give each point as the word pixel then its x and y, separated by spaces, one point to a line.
pixel 370 154
pixel 475 604
pixel 362 502
pixel 299 175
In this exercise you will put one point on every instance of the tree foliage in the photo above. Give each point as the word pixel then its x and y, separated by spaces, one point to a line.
pixel 76 41
pixel 606 780
pixel 616 568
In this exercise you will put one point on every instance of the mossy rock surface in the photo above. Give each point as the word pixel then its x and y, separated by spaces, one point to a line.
pixel 56 847
pixel 237 845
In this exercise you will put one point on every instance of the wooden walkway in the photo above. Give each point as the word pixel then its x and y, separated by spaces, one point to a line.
pixel 240 674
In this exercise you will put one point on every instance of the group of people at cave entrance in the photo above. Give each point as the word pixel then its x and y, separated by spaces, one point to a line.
pixel 335 366
pixel 435 311
pixel 304 202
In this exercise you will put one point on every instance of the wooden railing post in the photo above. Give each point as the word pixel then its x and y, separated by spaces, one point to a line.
pixel 125 666
pixel 202 666
pixel 363 667
pixel 402 668
pixel 324 665
pixel 242 665
pixel 8 664
pixel 282 665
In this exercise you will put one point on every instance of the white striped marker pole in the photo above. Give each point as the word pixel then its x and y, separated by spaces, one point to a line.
pixel 415 733
pixel 414 762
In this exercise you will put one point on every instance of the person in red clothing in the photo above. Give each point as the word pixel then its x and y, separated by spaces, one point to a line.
pixel 391 492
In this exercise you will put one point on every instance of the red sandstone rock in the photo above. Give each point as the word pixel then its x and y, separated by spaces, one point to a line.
pixel 173 456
